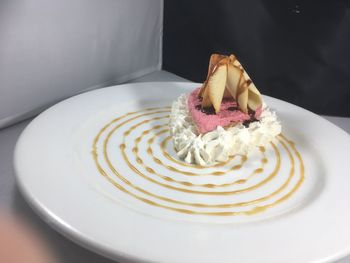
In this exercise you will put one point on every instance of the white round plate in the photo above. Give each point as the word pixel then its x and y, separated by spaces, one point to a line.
pixel 99 167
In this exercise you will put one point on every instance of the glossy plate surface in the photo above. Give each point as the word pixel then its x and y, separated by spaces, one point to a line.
pixel 101 169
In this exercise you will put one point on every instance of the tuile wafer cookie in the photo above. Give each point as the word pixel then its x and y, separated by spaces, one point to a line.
pixel 227 78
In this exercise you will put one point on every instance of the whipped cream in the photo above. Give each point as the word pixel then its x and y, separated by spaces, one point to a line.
pixel 219 144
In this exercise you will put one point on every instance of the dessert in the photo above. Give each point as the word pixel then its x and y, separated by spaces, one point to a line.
pixel 223 117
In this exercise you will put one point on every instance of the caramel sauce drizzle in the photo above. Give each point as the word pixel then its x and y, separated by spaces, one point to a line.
pixel 158 161
pixel 166 178
pixel 150 170
pixel 284 142
pixel 163 147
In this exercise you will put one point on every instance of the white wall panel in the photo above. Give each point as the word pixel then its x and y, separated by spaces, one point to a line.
pixel 52 49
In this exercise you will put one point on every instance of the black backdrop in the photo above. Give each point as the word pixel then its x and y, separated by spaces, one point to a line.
pixel 298 51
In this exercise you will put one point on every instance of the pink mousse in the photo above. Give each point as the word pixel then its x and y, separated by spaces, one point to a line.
pixel 228 114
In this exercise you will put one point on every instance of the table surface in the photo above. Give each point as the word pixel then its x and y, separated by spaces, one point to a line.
pixel 10 197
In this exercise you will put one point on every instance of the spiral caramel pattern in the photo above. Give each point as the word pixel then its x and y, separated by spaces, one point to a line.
pixel 164 171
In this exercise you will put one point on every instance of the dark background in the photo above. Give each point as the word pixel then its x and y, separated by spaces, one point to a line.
pixel 298 51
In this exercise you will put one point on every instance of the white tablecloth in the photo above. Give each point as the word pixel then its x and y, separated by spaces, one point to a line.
pixel 10 197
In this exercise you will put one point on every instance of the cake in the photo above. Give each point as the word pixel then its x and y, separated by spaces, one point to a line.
pixel 226 116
